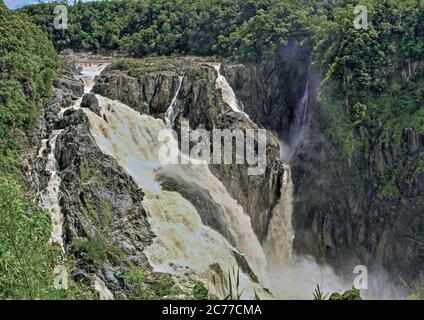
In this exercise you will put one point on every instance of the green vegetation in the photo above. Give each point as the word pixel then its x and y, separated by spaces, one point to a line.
pixel 143 285
pixel 374 85
pixel 319 294
pixel 200 292
pixel 248 30
pixel 353 294
pixel 27 70
pixel 373 90
pixel 27 260
pixel 416 291
pixel 96 252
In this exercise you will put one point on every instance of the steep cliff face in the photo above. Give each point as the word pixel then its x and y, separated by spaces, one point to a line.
pixel 101 203
pixel 200 102
pixel 341 215
pixel 269 91
pixel 103 219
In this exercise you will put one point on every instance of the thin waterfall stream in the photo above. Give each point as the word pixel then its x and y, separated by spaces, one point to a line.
pixel 50 196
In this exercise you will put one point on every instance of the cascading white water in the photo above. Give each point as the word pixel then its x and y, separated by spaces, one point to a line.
pixel 300 118
pixel 228 94
pixel 100 287
pixel 279 242
pixel 89 73
pixel 49 198
pixel 171 113
pixel 291 276
pixel 182 244
pixel 237 221
pixel 280 236
pixel 288 147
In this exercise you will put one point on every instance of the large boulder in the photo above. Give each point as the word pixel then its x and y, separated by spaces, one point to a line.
pixel 90 102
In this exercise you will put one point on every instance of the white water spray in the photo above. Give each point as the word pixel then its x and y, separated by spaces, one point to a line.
pixel 49 198
pixel 100 287
pixel 279 242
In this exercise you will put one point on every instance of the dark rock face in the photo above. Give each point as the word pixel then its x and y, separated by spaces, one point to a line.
pixel 269 91
pixel 90 102
pixel 151 93
pixel 99 201
pixel 338 213
pixel 65 92
pixel 210 212
pixel 119 86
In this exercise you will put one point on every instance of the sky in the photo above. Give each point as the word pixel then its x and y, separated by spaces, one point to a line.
pixel 14 4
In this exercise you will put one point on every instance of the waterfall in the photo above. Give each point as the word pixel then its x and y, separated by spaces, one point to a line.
pixel 300 117
pixel 89 73
pixel 171 113
pixel 228 94
pixel 288 146
pixel 49 198
pixel 291 276
pixel 183 244
pixel 279 242
pixel 100 287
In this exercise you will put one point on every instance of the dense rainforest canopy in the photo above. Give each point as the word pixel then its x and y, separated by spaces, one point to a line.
pixel 250 30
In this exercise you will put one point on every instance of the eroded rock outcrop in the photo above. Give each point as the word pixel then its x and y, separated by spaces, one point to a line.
pixel 100 203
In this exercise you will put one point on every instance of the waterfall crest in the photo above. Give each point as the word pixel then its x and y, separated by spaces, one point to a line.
pixel 49 197
pixel 89 73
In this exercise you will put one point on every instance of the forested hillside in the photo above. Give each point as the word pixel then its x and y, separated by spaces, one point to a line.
pixel 250 30
pixel 27 69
